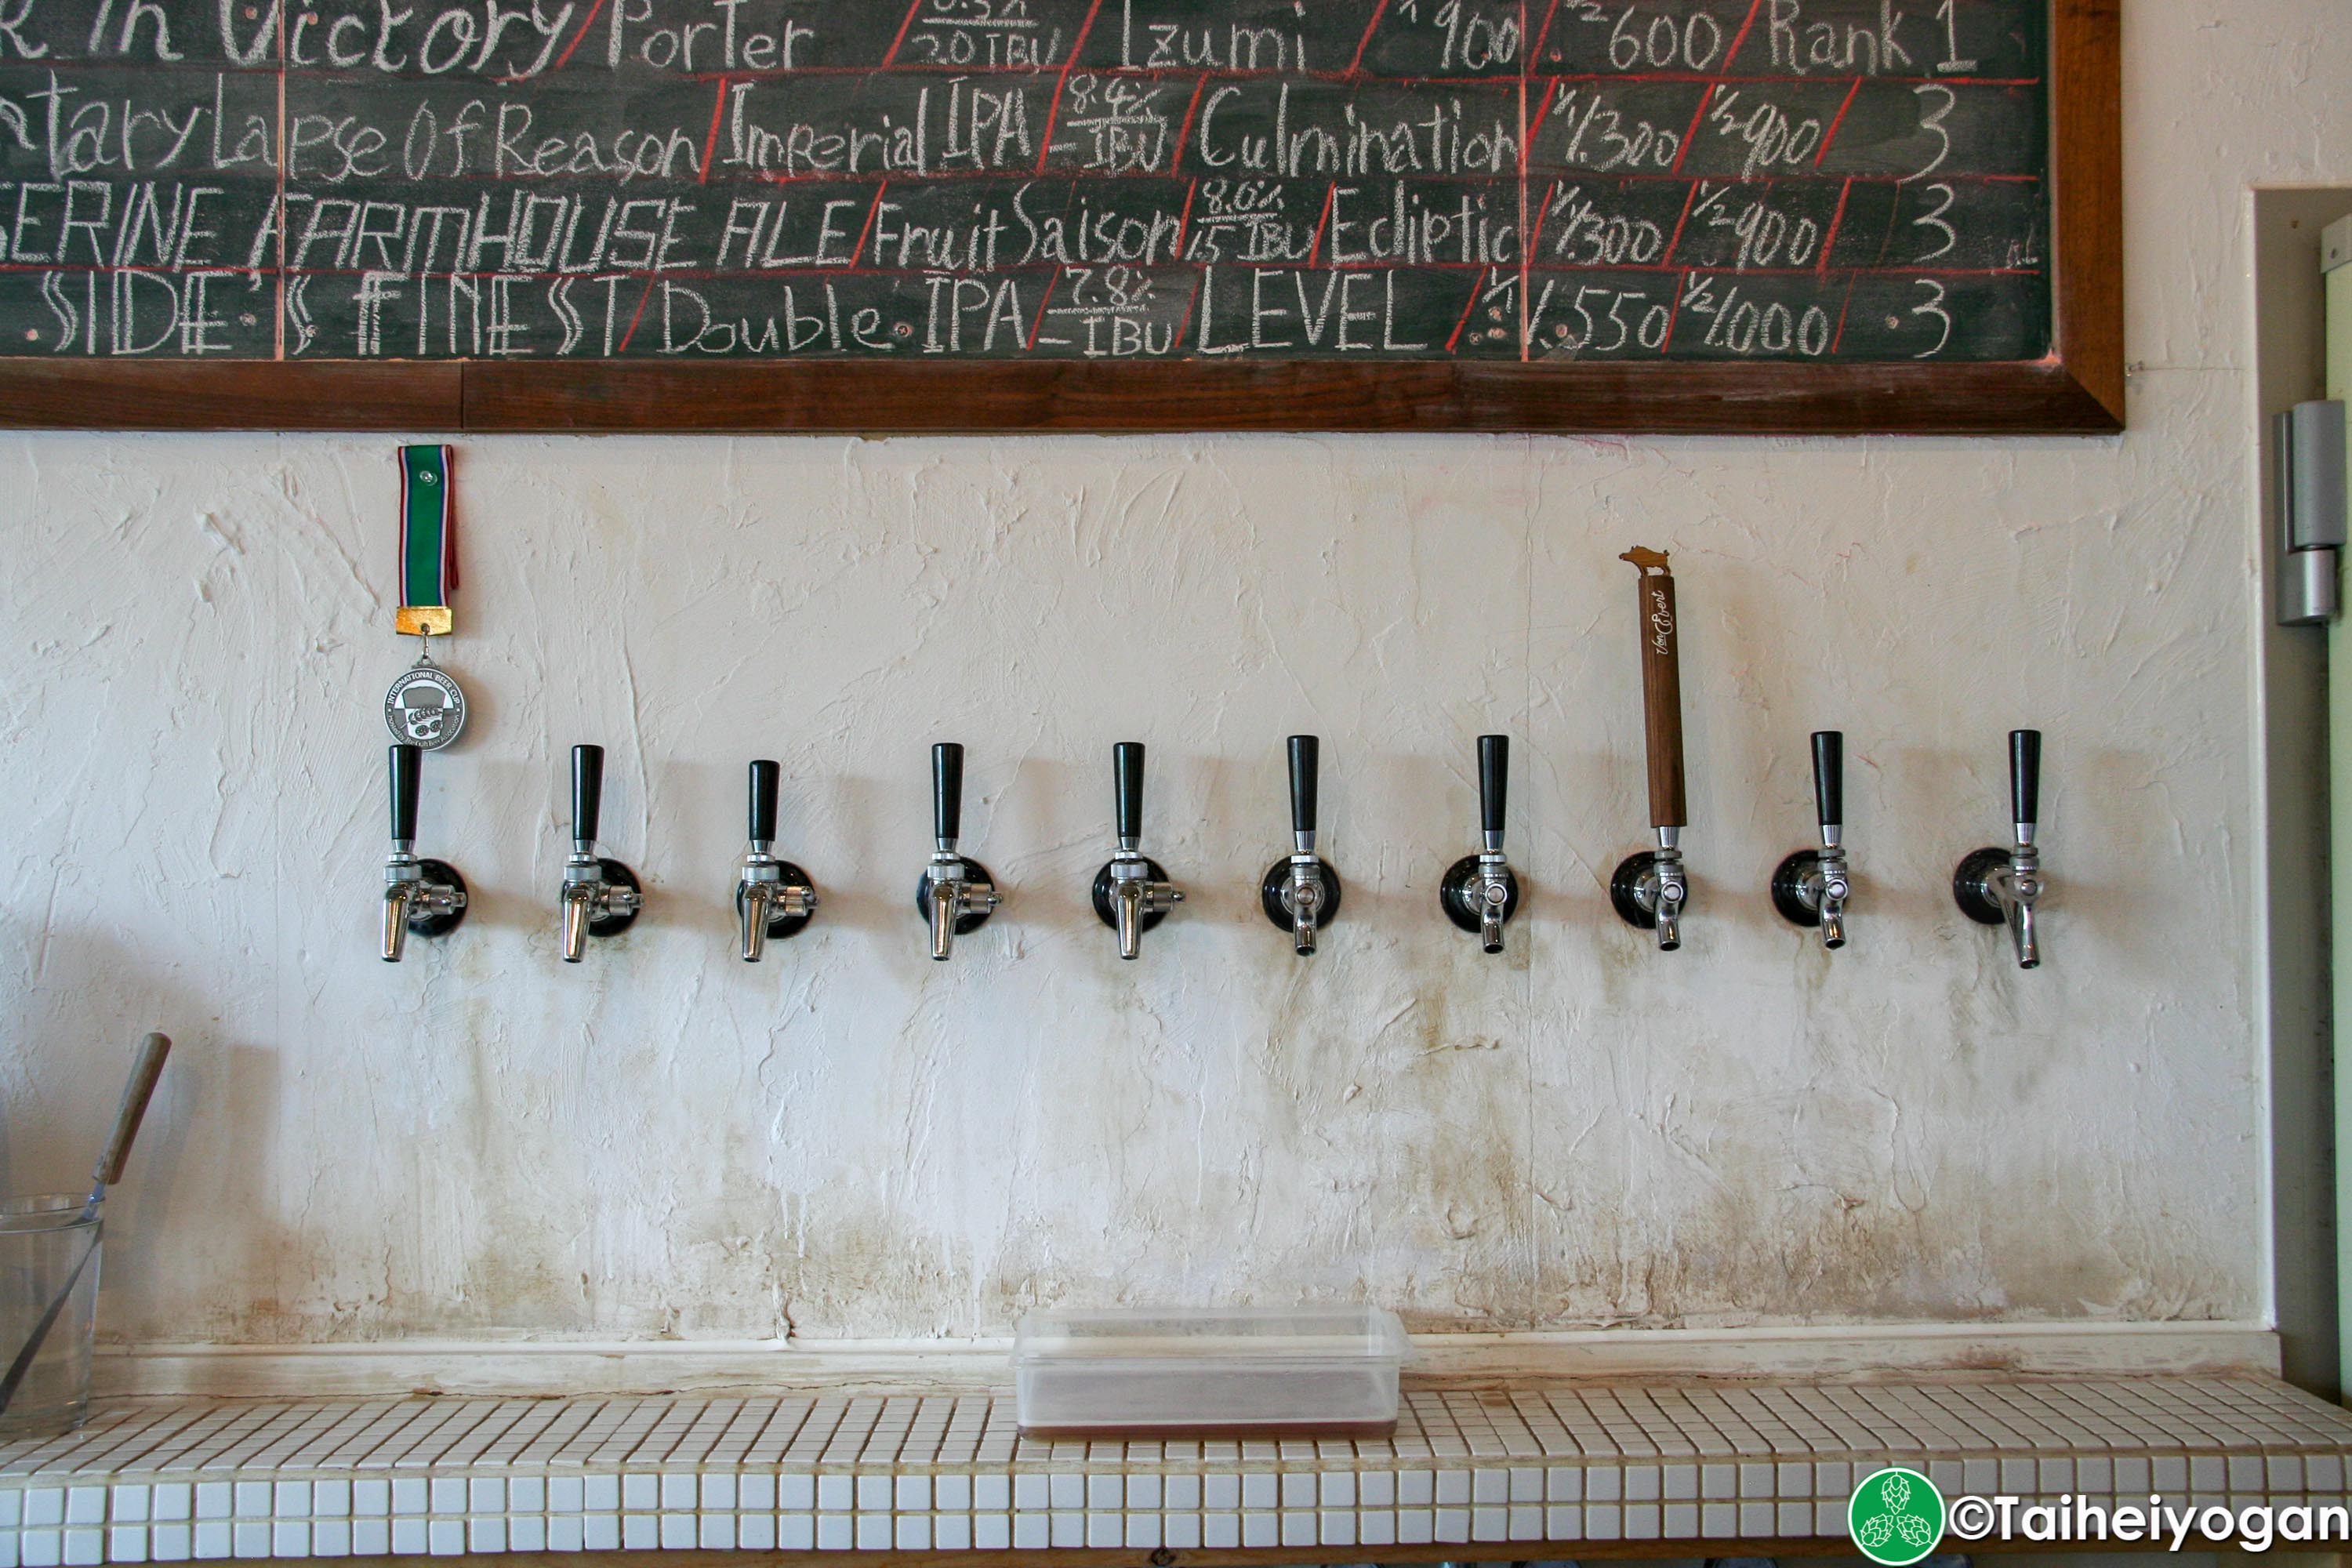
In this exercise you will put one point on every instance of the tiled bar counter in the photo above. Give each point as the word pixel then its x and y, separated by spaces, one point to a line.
pixel 1595 1468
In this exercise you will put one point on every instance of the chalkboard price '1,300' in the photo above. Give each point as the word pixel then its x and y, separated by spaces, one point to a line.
pixel 1806 181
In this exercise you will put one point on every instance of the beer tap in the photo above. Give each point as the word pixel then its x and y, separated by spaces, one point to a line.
pixel 773 899
pixel 1301 892
pixel 955 894
pixel 1809 887
pixel 1479 892
pixel 426 896
pixel 601 898
pixel 1132 892
pixel 2000 887
pixel 1649 889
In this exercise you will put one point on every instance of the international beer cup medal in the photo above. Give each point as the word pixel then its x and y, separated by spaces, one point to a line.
pixel 425 706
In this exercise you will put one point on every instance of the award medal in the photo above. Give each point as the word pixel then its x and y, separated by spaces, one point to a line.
pixel 425 706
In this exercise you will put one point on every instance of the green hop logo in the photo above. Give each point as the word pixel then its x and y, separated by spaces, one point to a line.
pixel 1896 1516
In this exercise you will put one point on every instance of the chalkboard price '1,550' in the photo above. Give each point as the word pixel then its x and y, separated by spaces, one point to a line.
pixel 1806 181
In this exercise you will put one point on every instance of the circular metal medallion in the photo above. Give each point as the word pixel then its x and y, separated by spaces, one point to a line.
pixel 425 708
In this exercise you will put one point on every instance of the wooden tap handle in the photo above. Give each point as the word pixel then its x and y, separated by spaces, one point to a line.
pixel 1662 687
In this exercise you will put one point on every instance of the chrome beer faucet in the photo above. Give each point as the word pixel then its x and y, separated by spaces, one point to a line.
pixel 1649 888
pixel 1132 892
pixel 426 896
pixel 955 894
pixel 773 899
pixel 2000 887
pixel 600 897
pixel 1301 892
pixel 1480 892
pixel 1809 887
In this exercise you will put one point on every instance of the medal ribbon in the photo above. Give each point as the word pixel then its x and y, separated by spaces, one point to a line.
pixel 428 542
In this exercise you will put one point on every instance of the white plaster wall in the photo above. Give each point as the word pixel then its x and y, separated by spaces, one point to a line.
pixel 851 1140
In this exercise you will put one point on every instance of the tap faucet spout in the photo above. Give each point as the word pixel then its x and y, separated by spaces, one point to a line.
pixel 946 894
pixel 1832 900
pixel 399 892
pixel 1494 891
pixel 581 885
pixel 1127 897
pixel 1304 899
pixel 1671 891
pixel 2017 891
pixel 753 916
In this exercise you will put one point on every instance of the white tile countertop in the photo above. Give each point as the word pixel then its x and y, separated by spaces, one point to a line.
pixel 1595 1465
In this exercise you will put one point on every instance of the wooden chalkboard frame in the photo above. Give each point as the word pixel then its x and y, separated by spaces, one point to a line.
pixel 2077 389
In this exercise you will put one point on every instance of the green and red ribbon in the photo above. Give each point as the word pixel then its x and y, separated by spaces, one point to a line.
pixel 428 541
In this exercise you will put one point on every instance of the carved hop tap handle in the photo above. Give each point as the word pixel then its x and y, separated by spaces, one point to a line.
pixel 1661 686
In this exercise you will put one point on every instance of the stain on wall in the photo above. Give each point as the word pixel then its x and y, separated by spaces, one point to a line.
pixel 852 1141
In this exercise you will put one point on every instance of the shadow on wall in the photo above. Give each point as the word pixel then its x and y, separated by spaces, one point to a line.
pixel 50 1132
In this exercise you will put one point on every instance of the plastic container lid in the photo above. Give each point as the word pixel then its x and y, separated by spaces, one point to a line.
pixel 1224 1333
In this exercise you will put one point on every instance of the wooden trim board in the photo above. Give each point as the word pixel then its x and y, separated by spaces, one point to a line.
pixel 407 1366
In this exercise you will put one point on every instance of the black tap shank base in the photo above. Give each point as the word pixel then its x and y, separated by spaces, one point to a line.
pixel 1627 881
pixel 424 924
pixel 613 924
pixel 1458 894
pixel 1105 908
pixel 780 926
pixel 1970 889
pixel 976 874
pixel 1788 884
pixel 1277 877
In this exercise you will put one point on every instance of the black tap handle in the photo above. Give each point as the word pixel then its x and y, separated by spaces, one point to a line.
pixel 408 767
pixel 1127 775
pixel 1494 780
pixel 587 791
pixel 765 775
pixel 947 790
pixel 1305 758
pixel 2025 776
pixel 1829 778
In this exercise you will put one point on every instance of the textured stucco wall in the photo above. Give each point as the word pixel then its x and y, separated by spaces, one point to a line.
pixel 852 1141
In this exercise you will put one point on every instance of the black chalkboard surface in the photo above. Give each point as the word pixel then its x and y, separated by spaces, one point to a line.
pixel 1135 182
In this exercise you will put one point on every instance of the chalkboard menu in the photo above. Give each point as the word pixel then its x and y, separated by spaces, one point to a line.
pixel 586 204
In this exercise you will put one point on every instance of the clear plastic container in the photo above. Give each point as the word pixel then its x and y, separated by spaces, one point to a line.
pixel 1253 1368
